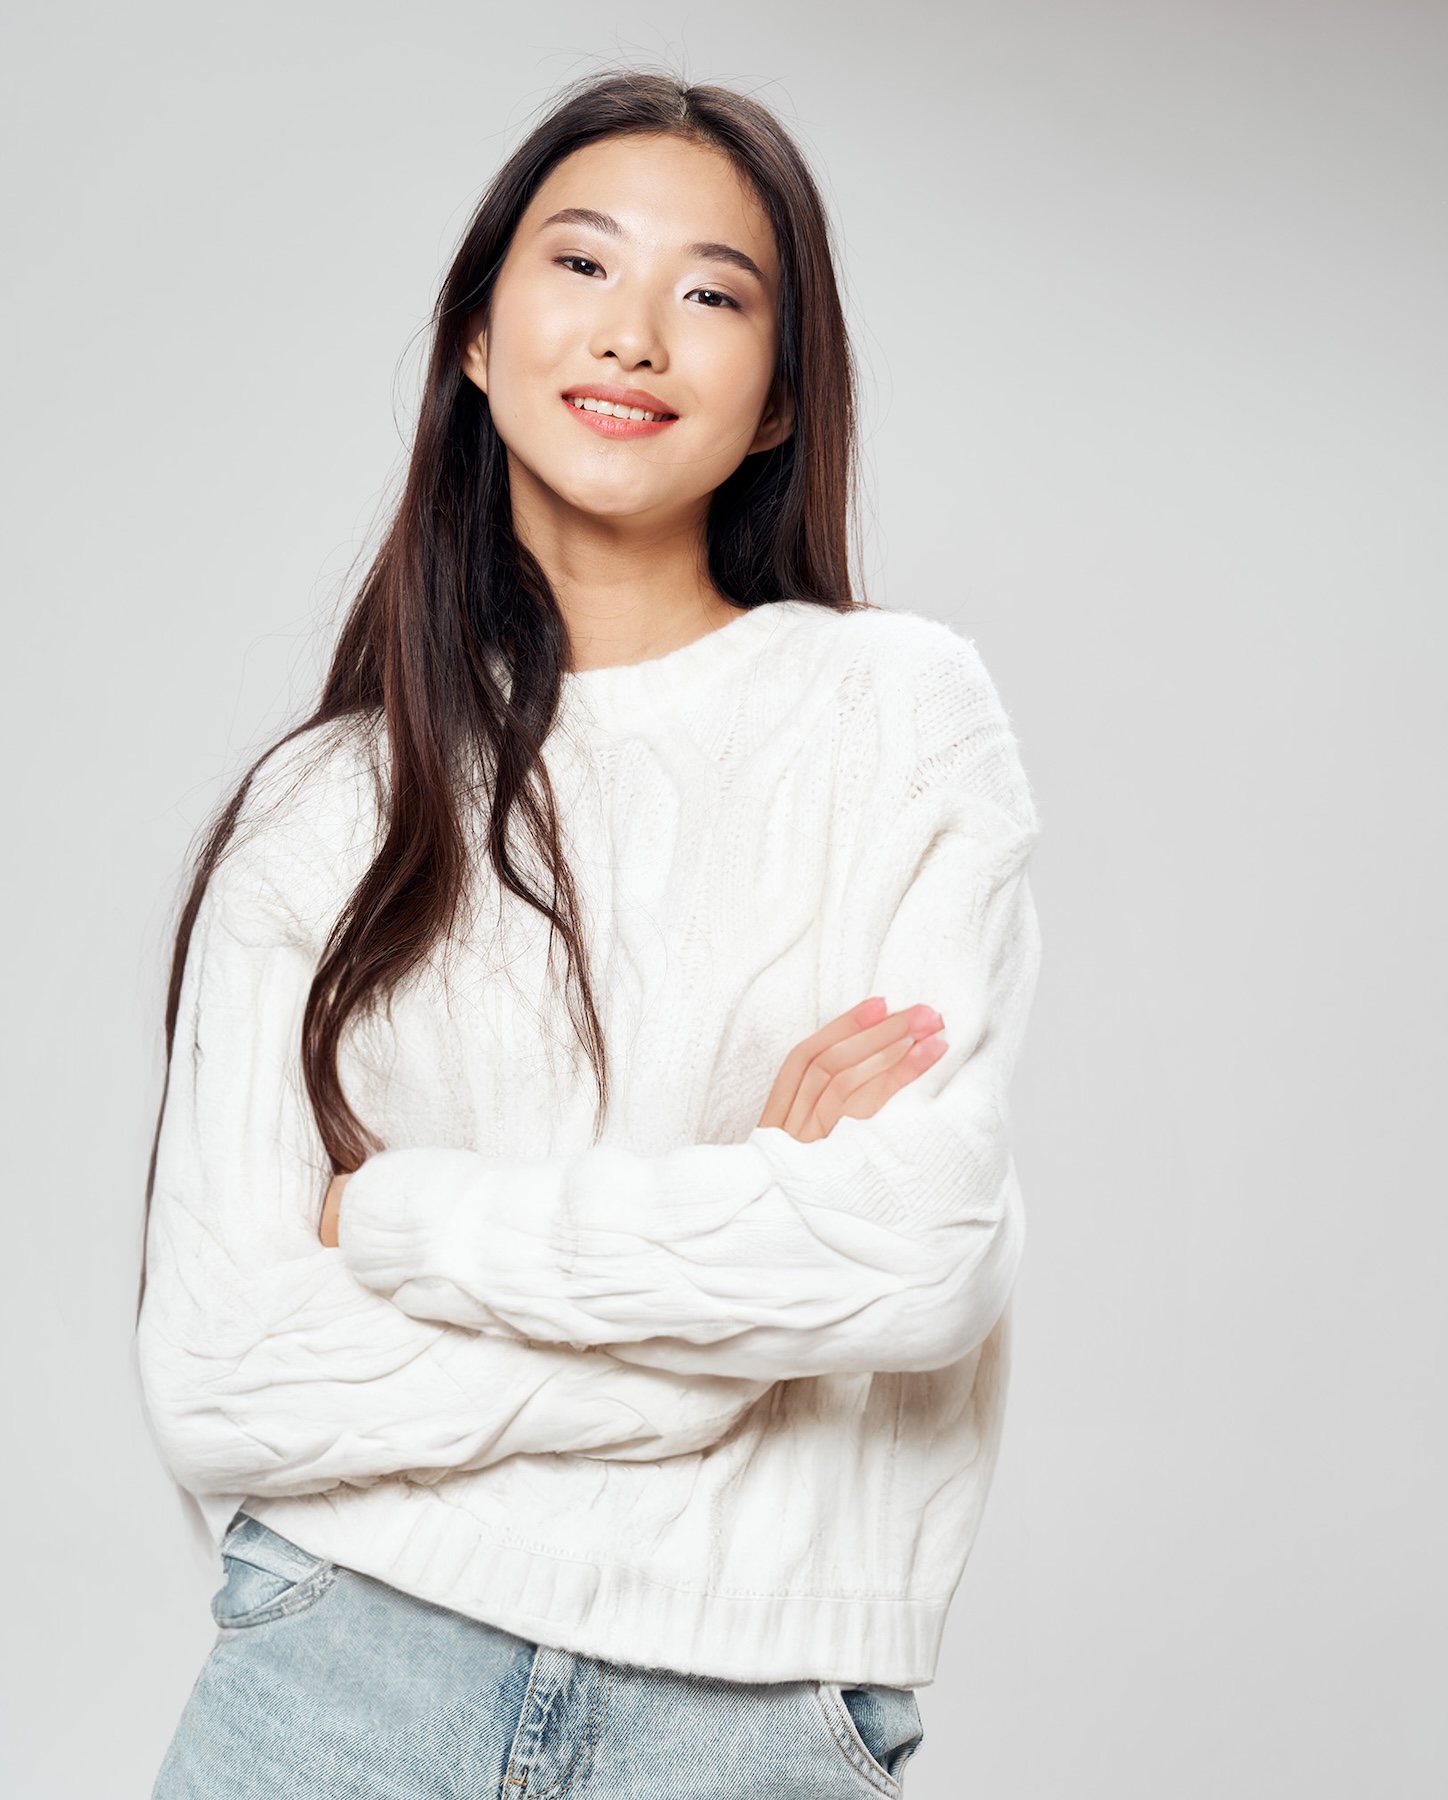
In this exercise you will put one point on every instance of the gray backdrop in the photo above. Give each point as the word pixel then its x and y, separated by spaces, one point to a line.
pixel 1150 300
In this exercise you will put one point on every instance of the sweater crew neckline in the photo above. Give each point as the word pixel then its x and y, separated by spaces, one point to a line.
pixel 623 690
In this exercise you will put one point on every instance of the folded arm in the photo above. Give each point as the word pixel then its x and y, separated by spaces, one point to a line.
pixel 267 1367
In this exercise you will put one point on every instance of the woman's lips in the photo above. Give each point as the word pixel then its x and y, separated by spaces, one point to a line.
pixel 620 412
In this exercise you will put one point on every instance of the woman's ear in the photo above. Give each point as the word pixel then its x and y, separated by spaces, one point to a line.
pixel 776 423
pixel 475 355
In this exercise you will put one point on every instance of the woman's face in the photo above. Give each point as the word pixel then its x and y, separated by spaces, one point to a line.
pixel 643 278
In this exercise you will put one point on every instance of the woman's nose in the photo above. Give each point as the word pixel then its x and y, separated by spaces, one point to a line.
pixel 629 332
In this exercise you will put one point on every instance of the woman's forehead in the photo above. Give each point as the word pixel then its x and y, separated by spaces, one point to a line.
pixel 662 190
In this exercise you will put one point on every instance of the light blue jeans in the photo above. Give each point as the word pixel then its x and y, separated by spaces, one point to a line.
pixel 326 1685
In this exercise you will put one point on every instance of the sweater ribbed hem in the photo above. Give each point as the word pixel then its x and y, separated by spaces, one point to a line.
pixel 615 1613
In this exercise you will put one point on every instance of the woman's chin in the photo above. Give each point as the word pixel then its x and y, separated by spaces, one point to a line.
pixel 618 502
pixel 613 483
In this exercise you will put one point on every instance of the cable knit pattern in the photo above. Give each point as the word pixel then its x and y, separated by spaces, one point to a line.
pixel 695 1395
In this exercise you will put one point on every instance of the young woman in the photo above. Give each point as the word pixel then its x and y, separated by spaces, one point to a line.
pixel 582 1216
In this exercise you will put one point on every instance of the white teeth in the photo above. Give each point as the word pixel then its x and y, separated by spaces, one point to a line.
pixel 589 404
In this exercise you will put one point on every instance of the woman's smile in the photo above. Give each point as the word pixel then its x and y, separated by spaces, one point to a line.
pixel 618 412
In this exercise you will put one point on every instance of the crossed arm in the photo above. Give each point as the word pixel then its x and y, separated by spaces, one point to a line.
pixel 269 1368
pixel 848 1069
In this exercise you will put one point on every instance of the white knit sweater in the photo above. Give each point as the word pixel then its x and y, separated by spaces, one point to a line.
pixel 698 1396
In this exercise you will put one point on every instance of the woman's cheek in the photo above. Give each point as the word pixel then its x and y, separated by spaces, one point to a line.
pixel 528 338
pixel 745 376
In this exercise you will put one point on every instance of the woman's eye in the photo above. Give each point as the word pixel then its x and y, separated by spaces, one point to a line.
pixel 587 268
pixel 712 297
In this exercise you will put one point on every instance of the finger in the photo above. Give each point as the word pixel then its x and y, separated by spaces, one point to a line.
pixel 786 1082
pixel 847 1053
pixel 817 1084
pixel 864 1099
pixel 331 1210
pixel 894 1033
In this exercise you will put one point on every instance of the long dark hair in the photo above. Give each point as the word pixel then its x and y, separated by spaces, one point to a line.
pixel 453 597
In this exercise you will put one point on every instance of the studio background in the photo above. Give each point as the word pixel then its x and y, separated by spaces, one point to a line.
pixel 1149 301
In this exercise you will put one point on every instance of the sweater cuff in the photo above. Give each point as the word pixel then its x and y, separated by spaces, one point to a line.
pixel 442 1234
pixel 397 1207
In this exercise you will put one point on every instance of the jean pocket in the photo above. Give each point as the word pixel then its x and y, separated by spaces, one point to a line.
pixel 267 1577
pixel 877 1727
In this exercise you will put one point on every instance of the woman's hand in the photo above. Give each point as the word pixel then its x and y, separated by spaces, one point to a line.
pixel 332 1210
pixel 851 1067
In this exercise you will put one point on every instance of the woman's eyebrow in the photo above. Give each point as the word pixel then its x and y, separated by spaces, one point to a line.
pixel 726 253
pixel 610 227
pixel 584 215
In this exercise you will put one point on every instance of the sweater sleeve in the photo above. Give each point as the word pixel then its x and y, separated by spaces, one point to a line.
pixel 889 1244
pixel 267 1367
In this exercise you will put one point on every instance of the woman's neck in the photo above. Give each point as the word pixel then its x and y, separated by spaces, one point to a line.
pixel 629 589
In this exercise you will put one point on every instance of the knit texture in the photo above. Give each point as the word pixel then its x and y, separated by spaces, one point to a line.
pixel 696 1395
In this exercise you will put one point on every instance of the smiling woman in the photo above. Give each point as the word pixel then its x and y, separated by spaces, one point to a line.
pixel 627 1435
